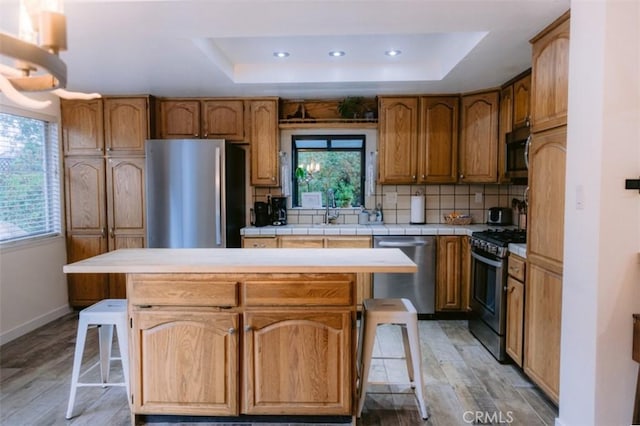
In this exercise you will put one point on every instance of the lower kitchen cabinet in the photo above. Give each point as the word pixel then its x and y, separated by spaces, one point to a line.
pixel 86 289
pixel 189 362
pixel 453 273
pixel 515 308
pixel 259 242
pixel 281 348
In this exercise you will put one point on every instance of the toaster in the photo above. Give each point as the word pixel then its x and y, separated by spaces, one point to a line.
pixel 499 216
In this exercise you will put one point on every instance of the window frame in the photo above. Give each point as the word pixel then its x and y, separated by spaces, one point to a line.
pixel 295 202
pixel 53 154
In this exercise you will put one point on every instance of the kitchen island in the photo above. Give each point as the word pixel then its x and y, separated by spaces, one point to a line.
pixel 231 332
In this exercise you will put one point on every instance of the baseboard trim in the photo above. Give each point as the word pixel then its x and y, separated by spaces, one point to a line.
pixel 31 325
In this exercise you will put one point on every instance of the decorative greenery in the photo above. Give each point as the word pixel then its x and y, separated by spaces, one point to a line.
pixel 352 107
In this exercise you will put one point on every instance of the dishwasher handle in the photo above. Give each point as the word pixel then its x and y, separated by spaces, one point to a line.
pixel 402 244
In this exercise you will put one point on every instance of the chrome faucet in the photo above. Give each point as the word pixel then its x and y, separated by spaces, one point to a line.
pixel 331 202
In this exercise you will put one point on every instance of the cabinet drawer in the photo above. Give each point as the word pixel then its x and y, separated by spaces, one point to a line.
pixel 516 267
pixel 259 242
pixel 301 290
pixel 182 290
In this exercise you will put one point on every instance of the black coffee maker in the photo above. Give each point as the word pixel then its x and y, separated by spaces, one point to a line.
pixel 261 214
pixel 278 211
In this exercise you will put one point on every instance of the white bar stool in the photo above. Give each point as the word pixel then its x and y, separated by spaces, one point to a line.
pixel 105 315
pixel 390 311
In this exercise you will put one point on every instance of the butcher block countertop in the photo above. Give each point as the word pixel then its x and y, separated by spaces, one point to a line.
pixel 245 260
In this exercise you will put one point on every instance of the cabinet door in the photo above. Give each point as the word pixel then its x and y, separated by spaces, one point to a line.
pixel 86 289
pixel 126 124
pixel 223 119
pixel 438 144
pixel 85 195
pixel 263 120
pixel 515 319
pixel 478 161
pixel 184 362
pixel 398 139
pixel 521 102
pixel 465 274
pixel 267 242
pixel 125 198
pixel 545 229
pixel 118 282
pixel 301 242
pixel 82 127
pixel 550 76
pixel 179 119
pixel 543 315
pixel 298 362
pixel 505 125
pixel 449 268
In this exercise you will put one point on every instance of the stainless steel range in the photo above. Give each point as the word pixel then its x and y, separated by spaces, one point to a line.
pixel 487 321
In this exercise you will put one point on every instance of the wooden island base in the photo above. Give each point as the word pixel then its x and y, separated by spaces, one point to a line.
pixel 270 335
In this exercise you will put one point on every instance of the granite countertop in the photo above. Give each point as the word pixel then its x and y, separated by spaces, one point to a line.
pixel 247 260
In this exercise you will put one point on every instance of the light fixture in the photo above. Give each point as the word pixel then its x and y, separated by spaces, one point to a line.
pixel 42 34
pixel 336 53
pixel 392 52
pixel 280 54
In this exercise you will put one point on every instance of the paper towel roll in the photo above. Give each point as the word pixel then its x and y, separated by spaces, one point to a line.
pixel 417 209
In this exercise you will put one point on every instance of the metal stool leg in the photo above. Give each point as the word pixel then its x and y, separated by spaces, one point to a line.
pixel 105 332
pixel 123 344
pixel 367 353
pixel 414 353
pixel 77 362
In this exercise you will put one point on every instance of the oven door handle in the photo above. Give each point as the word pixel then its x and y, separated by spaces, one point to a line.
pixel 483 259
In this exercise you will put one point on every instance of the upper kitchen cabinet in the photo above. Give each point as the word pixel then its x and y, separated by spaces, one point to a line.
pixel 505 125
pixel 438 139
pixel 398 139
pixel 478 147
pixel 119 124
pixel 82 127
pixel 522 101
pixel 263 137
pixel 550 76
pixel 201 118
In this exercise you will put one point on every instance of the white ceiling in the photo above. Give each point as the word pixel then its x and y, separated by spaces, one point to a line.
pixel 225 47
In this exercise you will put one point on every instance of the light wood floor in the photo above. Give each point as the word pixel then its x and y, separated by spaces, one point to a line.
pixel 461 378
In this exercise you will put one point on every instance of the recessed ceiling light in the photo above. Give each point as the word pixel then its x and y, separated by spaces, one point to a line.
pixel 392 52
pixel 280 54
pixel 337 53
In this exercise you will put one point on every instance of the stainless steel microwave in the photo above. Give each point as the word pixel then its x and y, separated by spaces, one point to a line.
pixel 516 158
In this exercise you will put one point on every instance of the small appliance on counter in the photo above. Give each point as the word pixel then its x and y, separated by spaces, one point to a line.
pixel 278 211
pixel 499 216
pixel 261 215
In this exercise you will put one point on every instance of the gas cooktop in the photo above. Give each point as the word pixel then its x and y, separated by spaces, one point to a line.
pixel 501 237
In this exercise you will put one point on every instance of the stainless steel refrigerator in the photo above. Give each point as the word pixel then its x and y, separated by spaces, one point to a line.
pixel 195 193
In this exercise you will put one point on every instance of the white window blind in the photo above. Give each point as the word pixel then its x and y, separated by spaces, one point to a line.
pixel 29 178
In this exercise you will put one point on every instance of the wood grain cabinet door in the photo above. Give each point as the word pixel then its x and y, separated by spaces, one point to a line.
pixel 82 127
pixel 478 148
pixel 86 289
pixel 264 142
pixel 505 125
pixel 179 119
pixel 398 139
pixel 125 197
pixel 515 320
pixel 521 102
pixel 449 273
pixel 438 144
pixel 298 362
pixel 187 362
pixel 223 119
pixel 85 196
pixel 126 124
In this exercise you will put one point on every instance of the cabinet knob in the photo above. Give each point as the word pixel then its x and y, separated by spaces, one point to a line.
pixel 424 177
pixel 413 178
pixel 103 232
pixel 248 328
pixel 232 330
pixel 109 149
pixel 461 175
pixel 205 135
pixel 112 233
pixel 273 178
pixel 195 135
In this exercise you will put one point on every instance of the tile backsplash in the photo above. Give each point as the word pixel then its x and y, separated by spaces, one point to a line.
pixel 396 202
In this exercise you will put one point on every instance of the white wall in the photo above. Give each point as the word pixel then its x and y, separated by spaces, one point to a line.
pixel 33 289
pixel 601 288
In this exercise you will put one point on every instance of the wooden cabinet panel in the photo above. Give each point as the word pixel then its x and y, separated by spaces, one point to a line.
pixel 184 290
pixel 521 102
pixel 449 273
pixel 465 274
pixel 505 125
pixel 543 315
pixel 301 242
pixel 545 230
pixel 179 119
pixel 86 289
pixel 223 119
pixel 550 76
pixel 516 267
pixel 515 320
pixel 187 362
pixel 348 242
pixel 252 242
pixel 125 197
pixel 398 139
pixel 126 124
pixel 438 144
pixel 280 351
pixel 263 121
pixel 118 282
pixel 303 290
pixel 82 127
pixel 478 149
pixel 85 195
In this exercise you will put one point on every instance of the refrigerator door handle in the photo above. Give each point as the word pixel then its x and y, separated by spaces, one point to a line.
pixel 218 206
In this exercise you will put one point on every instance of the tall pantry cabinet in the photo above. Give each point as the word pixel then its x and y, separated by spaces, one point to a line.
pixel 103 147
pixel 547 156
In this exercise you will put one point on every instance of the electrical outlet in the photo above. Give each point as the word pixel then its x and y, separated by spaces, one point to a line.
pixel 478 198
pixel 391 198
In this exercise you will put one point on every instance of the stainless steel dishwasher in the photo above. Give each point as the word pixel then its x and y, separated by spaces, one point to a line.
pixel 419 287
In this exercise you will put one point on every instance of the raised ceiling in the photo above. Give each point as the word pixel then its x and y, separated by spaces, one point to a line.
pixel 225 47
